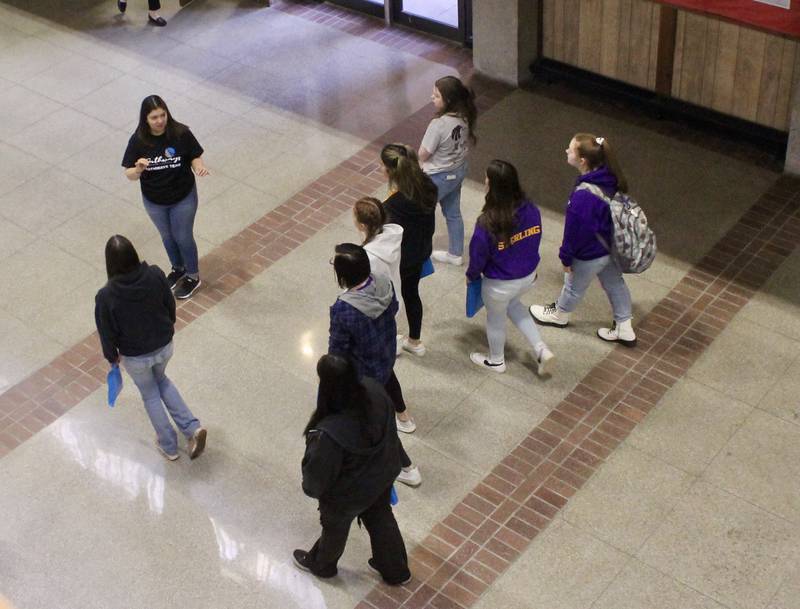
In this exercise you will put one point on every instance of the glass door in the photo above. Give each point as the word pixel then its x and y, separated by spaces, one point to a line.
pixel 447 18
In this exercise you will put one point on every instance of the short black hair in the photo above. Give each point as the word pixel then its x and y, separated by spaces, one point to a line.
pixel 351 265
pixel 121 256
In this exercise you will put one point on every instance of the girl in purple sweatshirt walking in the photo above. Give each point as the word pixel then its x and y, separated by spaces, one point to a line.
pixel 505 250
pixel 588 230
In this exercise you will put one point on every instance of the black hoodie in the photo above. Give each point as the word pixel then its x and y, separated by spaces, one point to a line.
pixel 135 313
pixel 418 227
pixel 347 463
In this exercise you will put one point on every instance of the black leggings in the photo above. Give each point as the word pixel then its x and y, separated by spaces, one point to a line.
pixel 153 5
pixel 409 288
pixel 392 387
pixel 388 548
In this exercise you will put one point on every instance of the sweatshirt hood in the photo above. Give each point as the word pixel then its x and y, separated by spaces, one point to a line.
pixel 133 286
pixel 373 298
pixel 601 177
pixel 386 245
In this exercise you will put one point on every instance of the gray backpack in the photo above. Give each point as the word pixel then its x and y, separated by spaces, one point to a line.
pixel 634 247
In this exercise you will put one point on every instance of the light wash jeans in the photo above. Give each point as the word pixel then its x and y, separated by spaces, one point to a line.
pixel 148 372
pixel 606 270
pixel 175 224
pixel 501 299
pixel 449 185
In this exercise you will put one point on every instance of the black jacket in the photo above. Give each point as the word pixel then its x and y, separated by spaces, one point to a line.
pixel 418 227
pixel 135 313
pixel 348 464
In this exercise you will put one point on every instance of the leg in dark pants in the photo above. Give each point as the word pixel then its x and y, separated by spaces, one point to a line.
pixel 405 460
pixel 409 287
pixel 392 387
pixel 388 550
pixel 153 5
pixel 328 549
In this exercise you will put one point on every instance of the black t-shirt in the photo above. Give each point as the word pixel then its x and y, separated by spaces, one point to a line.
pixel 168 178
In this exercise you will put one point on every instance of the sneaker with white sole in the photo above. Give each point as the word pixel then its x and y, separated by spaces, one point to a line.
pixel 549 315
pixel 410 476
pixel 406 426
pixel 405 344
pixel 174 277
pixel 197 443
pixel 621 333
pixel 447 257
pixel 166 455
pixel 482 360
pixel 186 286
pixel 544 359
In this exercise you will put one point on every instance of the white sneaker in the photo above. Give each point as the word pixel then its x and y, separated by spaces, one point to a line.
pixel 405 345
pixel 544 359
pixel 406 426
pixel 166 455
pixel 482 360
pixel 549 315
pixel 410 476
pixel 447 257
pixel 621 332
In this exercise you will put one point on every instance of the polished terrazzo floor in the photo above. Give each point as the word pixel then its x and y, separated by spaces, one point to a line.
pixel 697 507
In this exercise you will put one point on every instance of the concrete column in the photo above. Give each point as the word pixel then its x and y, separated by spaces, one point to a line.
pixel 793 148
pixel 505 38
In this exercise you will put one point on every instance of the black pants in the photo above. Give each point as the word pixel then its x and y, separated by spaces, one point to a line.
pixel 409 288
pixel 392 387
pixel 388 549
pixel 153 5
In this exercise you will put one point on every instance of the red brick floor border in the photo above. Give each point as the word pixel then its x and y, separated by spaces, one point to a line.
pixel 32 404
pixel 490 527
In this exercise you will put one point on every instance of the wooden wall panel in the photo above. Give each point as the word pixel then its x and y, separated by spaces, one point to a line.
pixel 615 38
pixel 734 69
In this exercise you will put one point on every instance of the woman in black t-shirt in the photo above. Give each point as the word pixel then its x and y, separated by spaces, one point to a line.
pixel 164 156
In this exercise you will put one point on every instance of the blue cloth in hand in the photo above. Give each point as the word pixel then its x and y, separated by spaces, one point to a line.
pixel 114 380
pixel 393 497
pixel 474 300
pixel 427 269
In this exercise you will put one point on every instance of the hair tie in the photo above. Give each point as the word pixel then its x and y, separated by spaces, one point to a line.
pixel 599 140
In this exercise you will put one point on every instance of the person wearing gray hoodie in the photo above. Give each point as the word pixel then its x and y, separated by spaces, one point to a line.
pixel 363 328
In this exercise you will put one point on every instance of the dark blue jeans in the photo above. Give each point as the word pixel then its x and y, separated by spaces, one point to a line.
pixel 175 224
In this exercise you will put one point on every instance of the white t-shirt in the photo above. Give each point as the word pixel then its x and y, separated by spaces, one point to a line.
pixel 447 140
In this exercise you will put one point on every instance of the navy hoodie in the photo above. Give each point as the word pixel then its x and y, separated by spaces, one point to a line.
pixel 587 217
pixel 135 313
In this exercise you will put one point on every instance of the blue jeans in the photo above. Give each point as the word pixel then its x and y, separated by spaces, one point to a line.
pixel 606 270
pixel 148 373
pixel 175 224
pixel 449 185
pixel 501 299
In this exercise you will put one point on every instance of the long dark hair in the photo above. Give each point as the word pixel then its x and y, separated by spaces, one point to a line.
pixel 121 257
pixel 504 197
pixel 339 391
pixel 458 100
pixel 598 152
pixel 154 102
pixel 405 174
pixel 369 212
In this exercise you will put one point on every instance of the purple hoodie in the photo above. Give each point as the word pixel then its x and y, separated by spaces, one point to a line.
pixel 503 261
pixel 586 217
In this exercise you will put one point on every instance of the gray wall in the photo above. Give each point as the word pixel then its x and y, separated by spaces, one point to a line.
pixel 505 38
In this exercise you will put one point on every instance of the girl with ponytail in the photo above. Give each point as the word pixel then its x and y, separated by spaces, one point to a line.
pixel 411 204
pixel 443 153
pixel 588 233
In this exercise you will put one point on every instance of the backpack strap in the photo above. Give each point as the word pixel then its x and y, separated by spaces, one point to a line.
pixel 598 192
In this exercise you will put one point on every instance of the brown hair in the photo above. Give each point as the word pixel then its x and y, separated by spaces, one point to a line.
pixel 458 100
pixel 405 174
pixel 369 212
pixel 504 197
pixel 598 152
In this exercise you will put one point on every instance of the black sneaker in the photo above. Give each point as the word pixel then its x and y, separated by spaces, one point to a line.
pixel 174 276
pixel 186 287
pixel 302 560
pixel 122 5
pixel 374 569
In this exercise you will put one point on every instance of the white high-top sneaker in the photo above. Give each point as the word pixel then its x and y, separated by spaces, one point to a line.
pixel 549 315
pixel 544 360
pixel 621 332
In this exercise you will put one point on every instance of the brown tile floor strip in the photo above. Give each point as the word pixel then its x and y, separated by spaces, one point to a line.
pixel 32 404
pixel 374 29
pixel 499 518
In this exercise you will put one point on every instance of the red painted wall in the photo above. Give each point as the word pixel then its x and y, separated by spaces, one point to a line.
pixel 773 18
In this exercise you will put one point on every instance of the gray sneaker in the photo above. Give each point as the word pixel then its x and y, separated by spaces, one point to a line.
pixel 197 443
